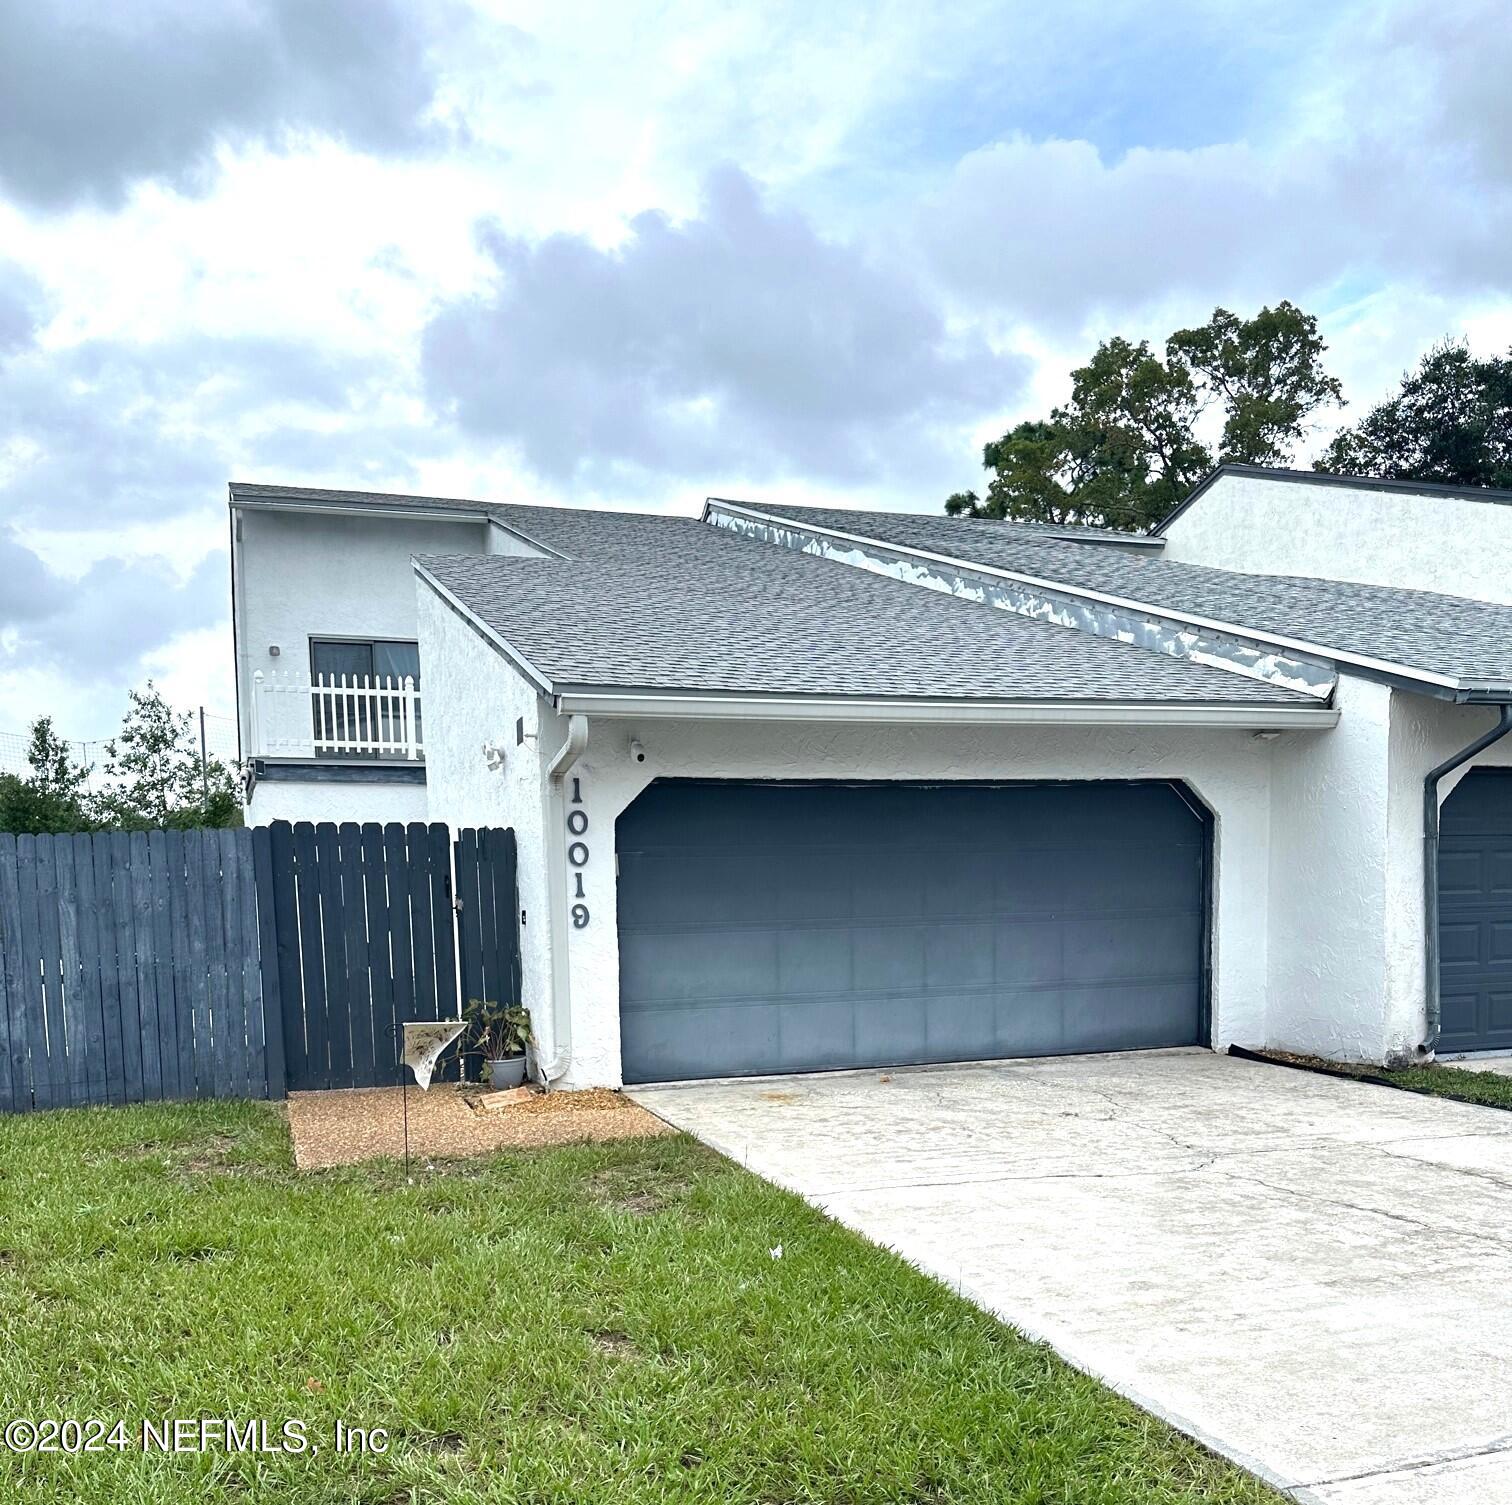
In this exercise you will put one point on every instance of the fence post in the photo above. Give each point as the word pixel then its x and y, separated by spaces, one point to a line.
pixel 267 946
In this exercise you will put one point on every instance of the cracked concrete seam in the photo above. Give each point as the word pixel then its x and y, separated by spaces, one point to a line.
pixel 1418 1464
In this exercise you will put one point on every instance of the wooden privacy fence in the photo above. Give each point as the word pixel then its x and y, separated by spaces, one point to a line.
pixel 372 929
pixel 129 969
pixel 177 964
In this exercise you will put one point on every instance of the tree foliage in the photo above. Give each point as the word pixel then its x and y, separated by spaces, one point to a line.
pixel 1451 422
pixel 55 794
pixel 1124 450
pixel 153 775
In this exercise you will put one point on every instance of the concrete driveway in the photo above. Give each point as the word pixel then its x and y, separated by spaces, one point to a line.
pixel 1314 1277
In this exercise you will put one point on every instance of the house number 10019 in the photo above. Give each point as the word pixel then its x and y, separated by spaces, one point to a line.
pixel 577 854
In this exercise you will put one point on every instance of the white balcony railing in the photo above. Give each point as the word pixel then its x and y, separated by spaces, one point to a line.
pixel 335 716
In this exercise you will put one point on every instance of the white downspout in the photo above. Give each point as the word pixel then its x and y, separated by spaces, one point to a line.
pixel 556 875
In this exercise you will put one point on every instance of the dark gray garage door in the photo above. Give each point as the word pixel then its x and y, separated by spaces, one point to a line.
pixel 786 927
pixel 1475 913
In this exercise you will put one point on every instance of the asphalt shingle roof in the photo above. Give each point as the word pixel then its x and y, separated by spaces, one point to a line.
pixel 670 604
pixel 258 491
pixel 1446 635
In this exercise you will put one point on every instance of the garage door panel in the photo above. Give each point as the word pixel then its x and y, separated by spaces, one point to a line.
pixel 1499 936
pixel 890 1028
pixel 683 887
pixel 961 885
pixel 888 958
pixel 803 928
pixel 880 887
pixel 814 959
pixel 958 956
pixel 1129 1018
pixel 1457 1018
pixel 1154 877
pixel 1499 874
pixel 815 1035
pixel 1030 1022
pixel 1461 871
pixel 665 1044
pixel 1029 951
pixel 1475 913
pixel 1499 1009
pixel 1459 943
pixel 668 966
pixel 1128 948
pixel 961 1025
pixel 806 891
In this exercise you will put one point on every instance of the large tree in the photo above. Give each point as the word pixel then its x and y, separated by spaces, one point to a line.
pixel 1451 422
pixel 54 796
pixel 1124 450
pixel 154 776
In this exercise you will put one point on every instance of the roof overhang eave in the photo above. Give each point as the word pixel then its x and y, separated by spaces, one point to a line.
pixel 333 508
pixel 616 703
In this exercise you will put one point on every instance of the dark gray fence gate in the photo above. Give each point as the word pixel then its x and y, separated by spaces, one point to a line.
pixel 129 969
pixel 178 964
pixel 367 930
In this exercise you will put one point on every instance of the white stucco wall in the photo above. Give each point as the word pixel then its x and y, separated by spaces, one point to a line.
pixel 1424 733
pixel 473 698
pixel 305 575
pixel 335 800
pixel 1422 542
pixel 1327 965
pixel 1347 950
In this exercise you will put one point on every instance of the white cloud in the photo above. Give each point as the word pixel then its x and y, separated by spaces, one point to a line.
pixel 738 339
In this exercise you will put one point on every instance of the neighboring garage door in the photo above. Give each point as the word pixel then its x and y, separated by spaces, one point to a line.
pixel 802 927
pixel 1475 913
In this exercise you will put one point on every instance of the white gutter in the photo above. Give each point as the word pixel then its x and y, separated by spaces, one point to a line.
pixel 556 876
pixel 1123 603
pixel 932 712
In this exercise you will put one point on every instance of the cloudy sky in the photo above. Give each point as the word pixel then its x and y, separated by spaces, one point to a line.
pixel 633 254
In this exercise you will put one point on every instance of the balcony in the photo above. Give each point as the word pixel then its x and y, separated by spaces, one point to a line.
pixel 341 717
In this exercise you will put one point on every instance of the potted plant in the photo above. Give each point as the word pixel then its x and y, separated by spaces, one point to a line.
pixel 500 1033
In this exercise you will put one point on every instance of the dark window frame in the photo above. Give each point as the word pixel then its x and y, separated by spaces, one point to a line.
pixel 339 640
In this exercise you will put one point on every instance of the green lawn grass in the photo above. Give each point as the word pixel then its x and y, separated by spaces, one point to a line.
pixel 1483 1087
pixel 1487 1089
pixel 598 1323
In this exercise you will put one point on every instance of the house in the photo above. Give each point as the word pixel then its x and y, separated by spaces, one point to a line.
pixel 798 788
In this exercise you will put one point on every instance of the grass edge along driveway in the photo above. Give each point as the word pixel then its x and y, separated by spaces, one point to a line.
pixel 595 1323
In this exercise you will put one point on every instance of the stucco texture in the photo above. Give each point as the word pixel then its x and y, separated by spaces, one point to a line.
pixel 335 800
pixel 304 575
pixel 1430 543
pixel 474 698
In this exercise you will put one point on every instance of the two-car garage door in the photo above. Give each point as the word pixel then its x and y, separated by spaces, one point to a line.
pixel 797 927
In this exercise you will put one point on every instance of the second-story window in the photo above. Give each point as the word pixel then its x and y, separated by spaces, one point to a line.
pixel 366 712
